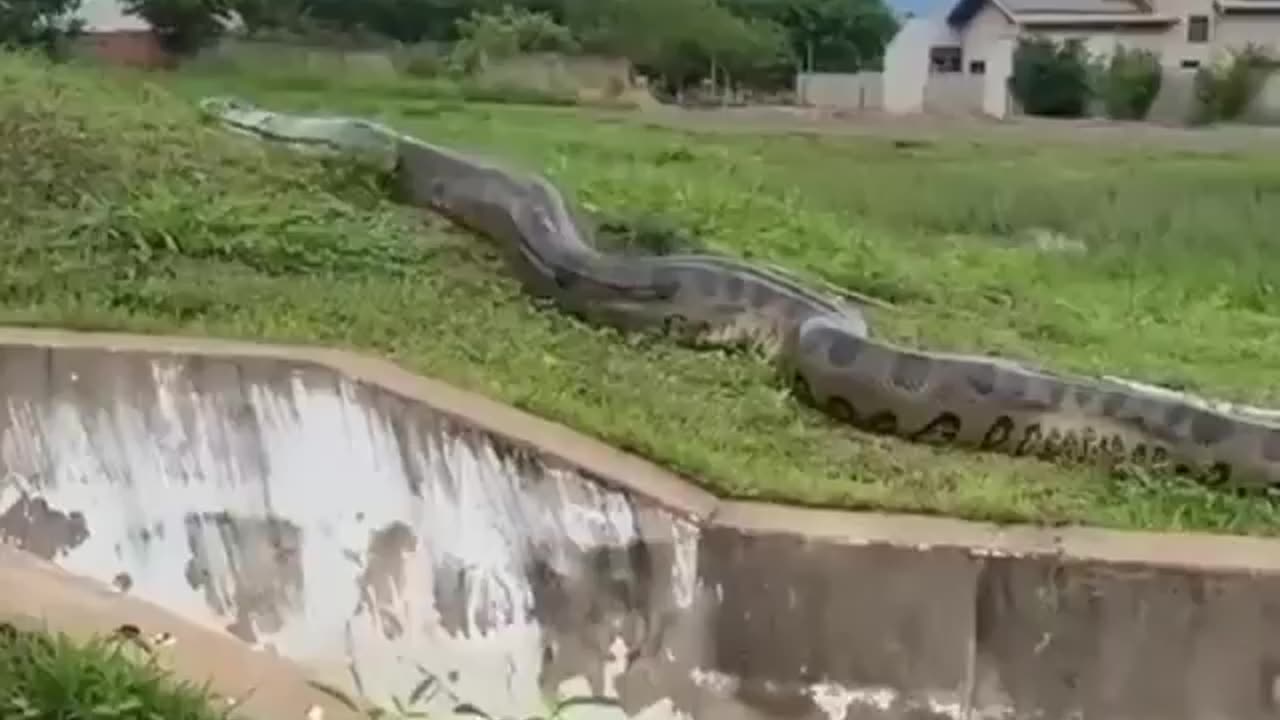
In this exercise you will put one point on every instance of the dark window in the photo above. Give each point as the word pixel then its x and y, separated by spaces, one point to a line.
pixel 977 67
pixel 945 59
pixel 1190 64
pixel 1198 29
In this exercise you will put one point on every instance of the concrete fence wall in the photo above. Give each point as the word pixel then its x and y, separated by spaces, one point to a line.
pixel 553 72
pixel 953 94
pixel 949 94
pixel 269 54
pixel 845 91
pixel 604 77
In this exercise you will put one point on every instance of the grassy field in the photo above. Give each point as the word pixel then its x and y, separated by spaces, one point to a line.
pixel 45 676
pixel 128 214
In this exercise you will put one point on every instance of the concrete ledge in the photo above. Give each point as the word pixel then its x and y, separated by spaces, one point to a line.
pixel 801 613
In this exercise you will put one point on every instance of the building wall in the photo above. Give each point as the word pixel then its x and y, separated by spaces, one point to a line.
pixel 906 63
pixel 983 34
pixel 1177 48
pixel 1237 31
pixel 1105 42
pixel 134 48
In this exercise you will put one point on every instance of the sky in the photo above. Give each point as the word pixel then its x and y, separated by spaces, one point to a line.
pixel 919 7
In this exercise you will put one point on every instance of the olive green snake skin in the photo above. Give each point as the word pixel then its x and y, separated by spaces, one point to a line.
pixel 822 344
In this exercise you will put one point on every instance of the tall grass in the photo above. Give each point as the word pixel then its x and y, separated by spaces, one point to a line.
pixel 45 676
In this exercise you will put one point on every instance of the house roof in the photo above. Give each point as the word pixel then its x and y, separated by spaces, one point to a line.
pixel 1094 19
pixel 1242 7
pixel 1065 12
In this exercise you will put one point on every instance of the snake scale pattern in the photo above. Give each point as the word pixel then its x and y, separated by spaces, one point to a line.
pixel 821 343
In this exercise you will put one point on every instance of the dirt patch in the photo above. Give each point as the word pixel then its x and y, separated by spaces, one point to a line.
pixel 800 120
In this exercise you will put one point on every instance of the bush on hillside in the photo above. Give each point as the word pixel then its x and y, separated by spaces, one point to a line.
pixel 41 24
pixel 1224 90
pixel 1130 83
pixel 1049 78
pixel 183 26
pixel 424 61
pixel 47 675
pixel 486 37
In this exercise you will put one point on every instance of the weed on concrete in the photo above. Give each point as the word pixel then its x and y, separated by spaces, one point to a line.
pixel 126 212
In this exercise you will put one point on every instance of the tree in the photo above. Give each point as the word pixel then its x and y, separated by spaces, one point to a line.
pixel 828 35
pixel 183 26
pixel 43 24
pixel 260 15
pixel 408 21
pixel 485 37
pixel 753 52
pixel 676 40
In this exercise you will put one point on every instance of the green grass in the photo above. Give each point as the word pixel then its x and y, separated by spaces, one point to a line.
pixel 126 213
pixel 50 677
pixel 285 75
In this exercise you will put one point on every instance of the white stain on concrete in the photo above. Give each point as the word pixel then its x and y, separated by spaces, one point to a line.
pixel 685 565
pixel 715 681
pixel 310 452
pixel 837 702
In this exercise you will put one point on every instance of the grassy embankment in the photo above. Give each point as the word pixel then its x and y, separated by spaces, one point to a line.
pixel 126 213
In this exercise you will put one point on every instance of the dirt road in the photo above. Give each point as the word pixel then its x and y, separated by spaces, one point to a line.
pixel 791 120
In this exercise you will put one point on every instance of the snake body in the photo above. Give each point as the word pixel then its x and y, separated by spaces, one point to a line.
pixel 821 343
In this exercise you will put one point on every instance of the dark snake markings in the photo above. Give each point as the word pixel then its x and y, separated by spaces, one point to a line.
pixel 942 430
pixel 998 434
pixel 822 343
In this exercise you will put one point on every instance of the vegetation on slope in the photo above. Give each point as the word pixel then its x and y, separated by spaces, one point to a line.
pixel 44 676
pixel 125 212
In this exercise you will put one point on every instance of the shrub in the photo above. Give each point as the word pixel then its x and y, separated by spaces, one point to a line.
pixel 1224 90
pixel 514 94
pixel 1130 83
pixel 183 26
pixel 486 37
pixel 423 61
pixel 43 24
pixel 1049 78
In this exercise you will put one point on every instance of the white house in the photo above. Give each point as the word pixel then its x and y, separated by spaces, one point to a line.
pixel 947 61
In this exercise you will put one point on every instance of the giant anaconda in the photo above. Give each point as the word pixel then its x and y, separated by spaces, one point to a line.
pixel 822 344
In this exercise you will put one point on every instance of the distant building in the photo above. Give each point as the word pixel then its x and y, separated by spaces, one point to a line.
pixel 116 37
pixel 958 59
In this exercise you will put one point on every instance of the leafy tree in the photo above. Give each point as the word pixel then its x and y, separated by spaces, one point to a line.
pixel 260 15
pixel 679 41
pixel 43 24
pixel 754 52
pixel 1051 78
pixel 408 21
pixel 183 26
pixel 485 37
pixel 828 35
